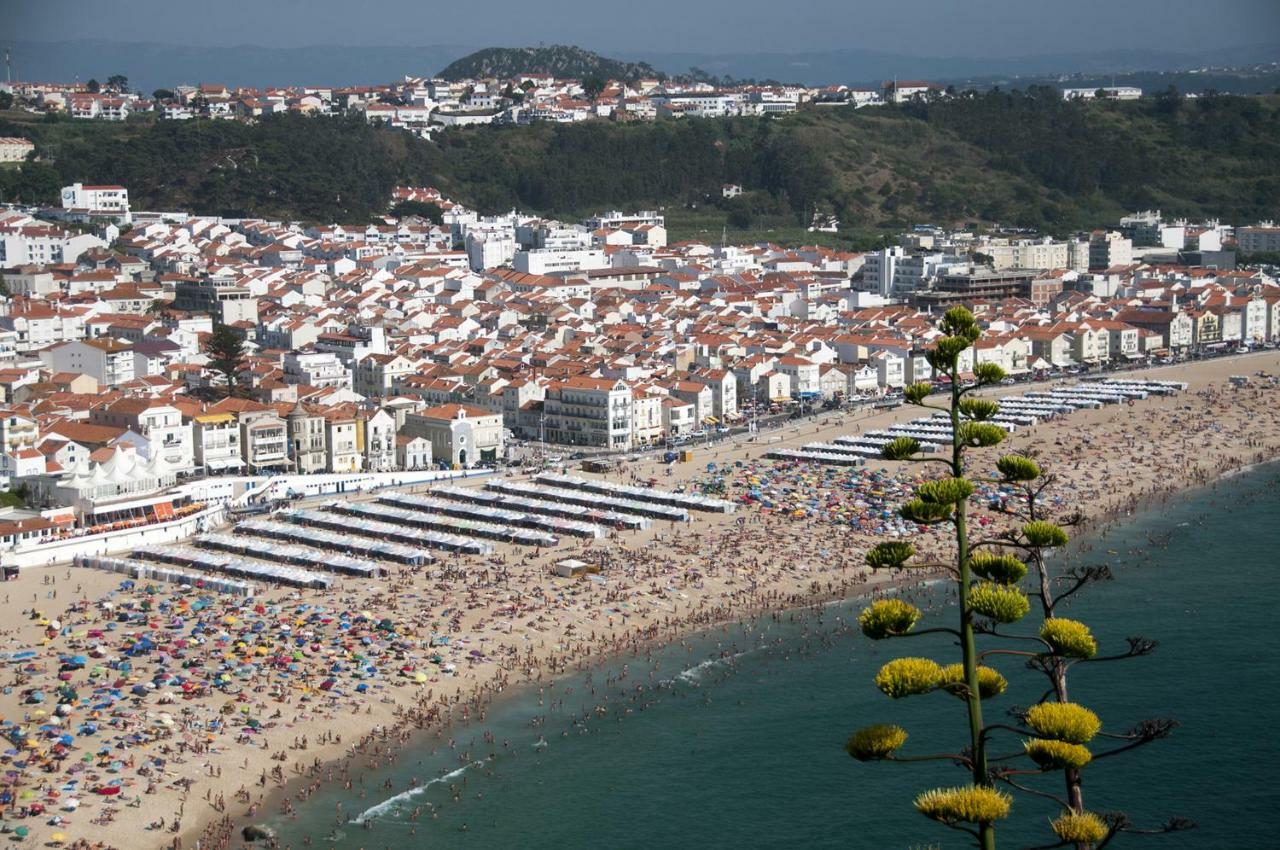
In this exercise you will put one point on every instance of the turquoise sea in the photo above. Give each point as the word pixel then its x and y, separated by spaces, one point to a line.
pixel 735 739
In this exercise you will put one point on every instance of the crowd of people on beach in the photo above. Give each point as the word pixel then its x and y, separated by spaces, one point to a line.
pixel 130 706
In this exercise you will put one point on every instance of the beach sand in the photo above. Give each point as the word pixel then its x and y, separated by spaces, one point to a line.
pixel 510 622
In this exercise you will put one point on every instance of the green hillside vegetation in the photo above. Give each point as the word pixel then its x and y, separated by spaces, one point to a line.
pixel 560 60
pixel 1028 160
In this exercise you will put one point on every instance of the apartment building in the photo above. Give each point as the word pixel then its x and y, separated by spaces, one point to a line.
pixel 804 374
pixel 1109 248
pixel 724 392
pixel 1262 238
pixel 25 241
pixel 17 432
pixel 306 436
pixel 342 443
pixel 378 439
pixel 315 369
pixel 98 201
pixel 216 442
pixel 376 374
pixel 647 423
pixel 14 149
pixel 224 300
pixel 108 361
pixel 589 412
pixel 160 423
pixel 263 435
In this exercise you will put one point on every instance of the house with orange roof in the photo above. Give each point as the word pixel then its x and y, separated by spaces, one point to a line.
pixel 587 411
pixel 108 361
pixel 160 423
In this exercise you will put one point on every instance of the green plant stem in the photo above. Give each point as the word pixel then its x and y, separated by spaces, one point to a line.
pixel 986 832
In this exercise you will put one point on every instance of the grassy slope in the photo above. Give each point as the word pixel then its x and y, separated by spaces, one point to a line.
pixel 878 169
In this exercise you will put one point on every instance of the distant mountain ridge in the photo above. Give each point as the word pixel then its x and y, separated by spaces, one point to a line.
pixel 861 66
pixel 150 65
pixel 559 60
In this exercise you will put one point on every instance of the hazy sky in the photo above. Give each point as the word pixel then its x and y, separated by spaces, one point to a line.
pixel 925 27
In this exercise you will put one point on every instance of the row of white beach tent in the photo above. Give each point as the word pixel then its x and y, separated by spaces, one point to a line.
pixel 402 527
pixel 545 507
pixel 1015 412
pixel 356 518
pixel 439 529
pixel 1152 387
pixel 689 501
pixel 207 561
pixel 483 513
pixel 370 547
pixel 652 510
pixel 290 553
pixel 144 571
pixel 816 455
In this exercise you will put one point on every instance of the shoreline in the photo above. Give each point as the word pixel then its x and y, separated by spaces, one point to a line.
pixel 273 801
pixel 664 585
pixel 1093 529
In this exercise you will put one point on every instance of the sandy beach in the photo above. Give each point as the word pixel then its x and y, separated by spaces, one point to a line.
pixel 296 688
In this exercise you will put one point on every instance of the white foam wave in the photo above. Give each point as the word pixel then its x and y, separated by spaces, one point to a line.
pixel 694 674
pixel 392 804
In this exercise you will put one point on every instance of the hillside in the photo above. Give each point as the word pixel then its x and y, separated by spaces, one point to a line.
pixel 1030 160
pixel 559 60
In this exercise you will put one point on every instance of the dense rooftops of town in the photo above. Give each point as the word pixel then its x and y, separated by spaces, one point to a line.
pixel 423 104
pixel 393 345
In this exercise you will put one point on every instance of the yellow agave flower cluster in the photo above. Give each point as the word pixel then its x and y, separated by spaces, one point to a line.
pixel 1064 721
pixel 967 804
pixel 1069 638
pixel 1057 755
pixel 1000 602
pixel 1079 827
pixel 1002 569
pixel 990 682
pixel 1061 729
pixel 904 677
pixel 876 742
pixel 888 618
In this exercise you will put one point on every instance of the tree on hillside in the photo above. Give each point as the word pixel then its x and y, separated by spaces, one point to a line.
pixel 6 100
pixel 592 85
pixel 225 348
pixel 423 209
pixel 118 82
pixel 93 85
pixel 1053 733
pixel 163 94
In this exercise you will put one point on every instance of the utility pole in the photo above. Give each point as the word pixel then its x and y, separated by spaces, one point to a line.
pixel 542 435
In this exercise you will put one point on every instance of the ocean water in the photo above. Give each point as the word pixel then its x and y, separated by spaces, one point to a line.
pixel 735 739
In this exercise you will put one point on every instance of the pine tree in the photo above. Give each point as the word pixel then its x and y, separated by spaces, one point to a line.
pixel 225 349
pixel 987 573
